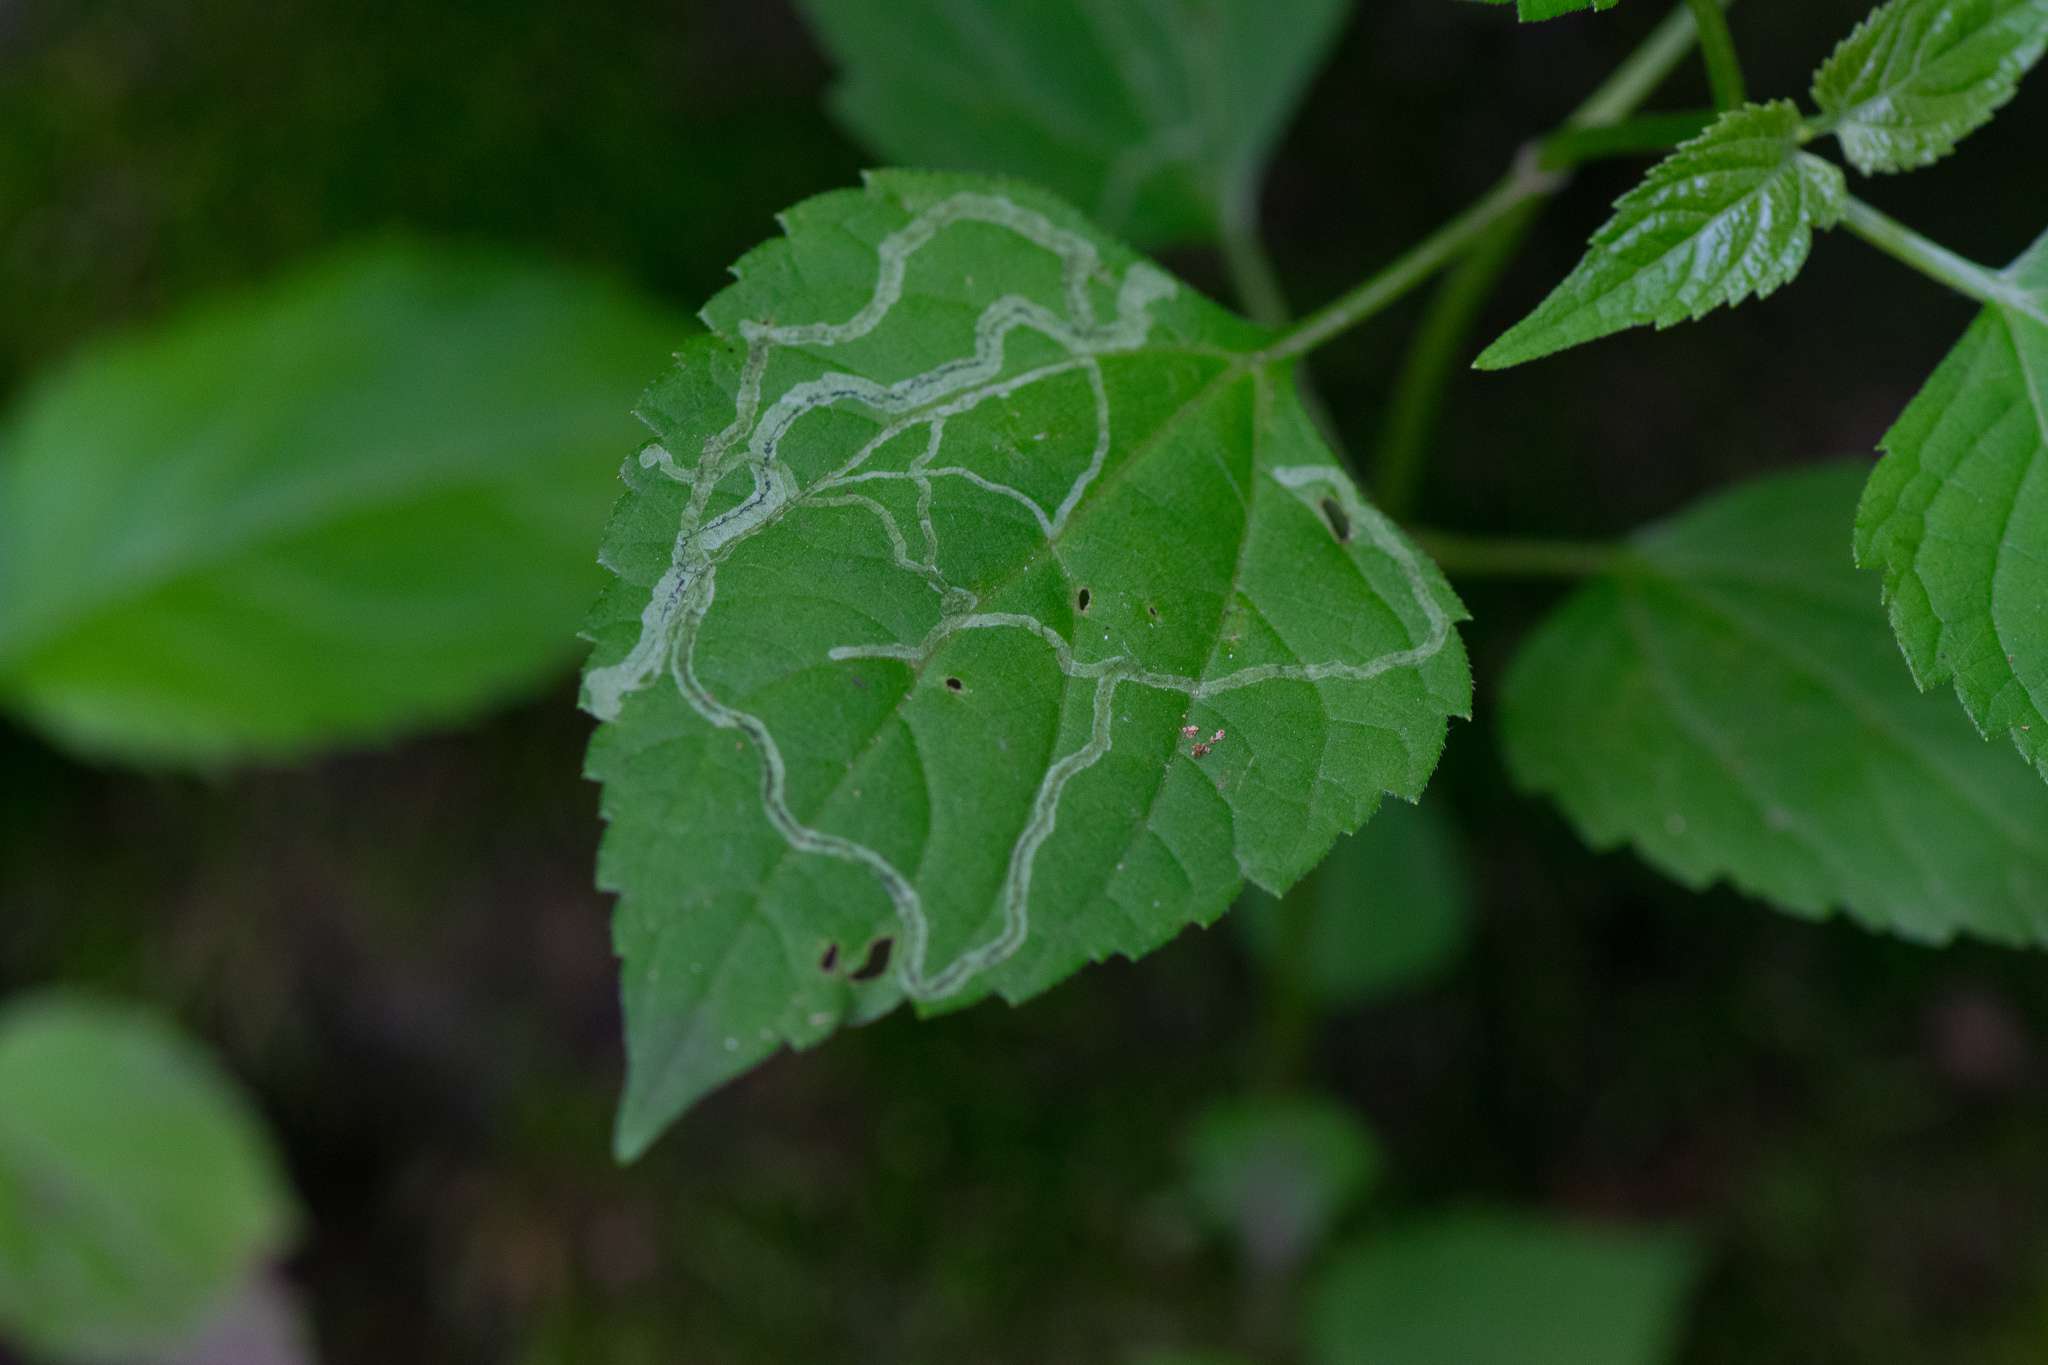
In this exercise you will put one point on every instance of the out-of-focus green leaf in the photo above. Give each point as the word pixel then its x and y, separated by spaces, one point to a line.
pixel 1391 907
pixel 1918 76
pixel 1156 116
pixel 138 1193
pixel 1529 11
pixel 1728 216
pixel 360 499
pixel 1730 702
pixel 1497 1289
pixel 987 605
pixel 1277 1173
pixel 1956 514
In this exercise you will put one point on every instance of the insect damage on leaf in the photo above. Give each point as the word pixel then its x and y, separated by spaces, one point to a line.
pixel 1012 444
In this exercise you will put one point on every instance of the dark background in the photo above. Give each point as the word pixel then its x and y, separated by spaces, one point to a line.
pixel 401 951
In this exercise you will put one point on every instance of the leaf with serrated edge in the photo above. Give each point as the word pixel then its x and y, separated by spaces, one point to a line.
pixel 1918 76
pixel 1727 216
pixel 351 502
pixel 1156 116
pixel 139 1193
pixel 1956 514
pixel 984 593
pixel 1732 704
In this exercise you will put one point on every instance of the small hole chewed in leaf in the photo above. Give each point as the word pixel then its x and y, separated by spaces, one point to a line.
pixel 877 960
pixel 847 497
pixel 830 961
pixel 1340 522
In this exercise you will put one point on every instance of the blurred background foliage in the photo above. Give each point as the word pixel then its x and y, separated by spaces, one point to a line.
pixel 399 952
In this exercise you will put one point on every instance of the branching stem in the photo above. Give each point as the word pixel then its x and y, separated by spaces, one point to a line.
pixel 1617 97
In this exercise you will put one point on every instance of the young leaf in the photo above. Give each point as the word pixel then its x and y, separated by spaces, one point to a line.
pixel 1277 1174
pixel 1495 1289
pixel 1529 11
pixel 1956 514
pixel 987 605
pixel 1156 115
pixel 355 501
pixel 1732 704
pixel 138 1194
pixel 1917 76
pixel 1391 907
pixel 1727 216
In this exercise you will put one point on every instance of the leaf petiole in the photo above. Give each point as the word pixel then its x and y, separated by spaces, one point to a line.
pixel 1937 262
pixel 1464 556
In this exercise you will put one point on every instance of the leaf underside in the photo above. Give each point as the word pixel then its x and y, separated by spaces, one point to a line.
pixel 1956 515
pixel 1732 705
pixel 985 606
pixel 1728 216
pixel 1917 76
pixel 1155 116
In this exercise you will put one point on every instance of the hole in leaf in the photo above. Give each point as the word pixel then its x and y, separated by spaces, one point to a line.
pixel 877 960
pixel 830 959
pixel 955 685
pixel 1152 611
pixel 1339 519
pixel 1082 599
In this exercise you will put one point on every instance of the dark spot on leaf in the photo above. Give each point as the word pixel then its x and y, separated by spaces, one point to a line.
pixel 1082 598
pixel 1339 519
pixel 877 962
pixel 954 684
pixel 830 959
pixel 1152 611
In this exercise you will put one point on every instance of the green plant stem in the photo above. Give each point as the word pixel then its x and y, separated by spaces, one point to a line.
pixel 1440 341
pixel 1256 283
pixel 1290 1009
pixel 1717 49
pixel 1936 261
pixel 1410 269
pixel 1642 71
pixel 1574 146
pixel 1433 359
pixel 1464 556
pixel 1617 97
pixel 1253 277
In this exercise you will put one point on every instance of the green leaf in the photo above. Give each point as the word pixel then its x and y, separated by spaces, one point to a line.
pixel 1497 1289
pixel 985 594
pixel 1390 908
pixel 1732 704
pixel 358 500
pixel 1918 76
pixel 1156 115
pixel 1528 11
pixel 138 1193
pixel 1727 216
pixel 1278 1173
pixel 1956 515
